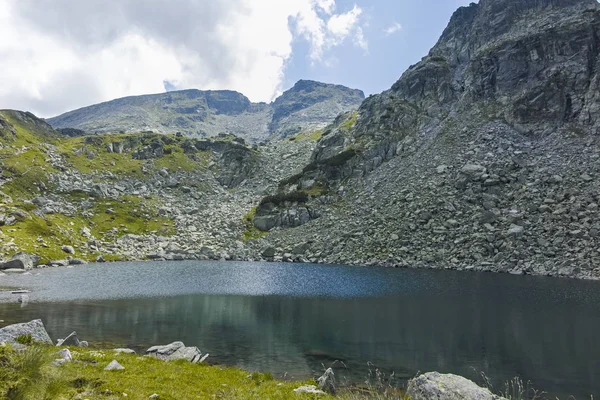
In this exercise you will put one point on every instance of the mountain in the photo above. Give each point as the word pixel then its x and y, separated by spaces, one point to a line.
pixel 308 105
pixel 484 155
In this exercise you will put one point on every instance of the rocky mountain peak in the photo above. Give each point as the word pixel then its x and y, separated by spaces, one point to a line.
pixel 308 105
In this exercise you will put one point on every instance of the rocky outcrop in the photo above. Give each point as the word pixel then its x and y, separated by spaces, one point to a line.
pixel 307 106
pixel 34 328
pixel 282 213
pixel 434 385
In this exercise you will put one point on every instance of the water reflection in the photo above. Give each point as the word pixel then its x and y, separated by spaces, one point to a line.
pixel 543 330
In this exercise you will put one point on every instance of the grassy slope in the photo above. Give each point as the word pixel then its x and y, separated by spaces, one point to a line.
pixel 23 162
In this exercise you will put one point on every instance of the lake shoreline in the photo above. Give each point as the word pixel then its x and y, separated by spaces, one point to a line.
pixel 585 275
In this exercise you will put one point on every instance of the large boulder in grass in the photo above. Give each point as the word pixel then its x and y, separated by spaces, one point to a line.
pixel 34 328
pixel 175 351
pixel 434 385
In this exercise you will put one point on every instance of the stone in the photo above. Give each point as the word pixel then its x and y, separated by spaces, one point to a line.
pixel 269 252
pixel 12 265
pixel 473 170
pixel 30 261
pixel 68 249
pixel 309 389
pixel 434 385
pixel 175 351
pixel 326 381
pixel 34 328
pixel 65 354
pixel 59 263
pixel 77 261
pixel 114 366
pixel 124 351
pixel 515 231
pixel 154 396
pixel 71 340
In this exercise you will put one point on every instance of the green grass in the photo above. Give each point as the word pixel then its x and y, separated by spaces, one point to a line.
pixel 30 376
pixel 250 231
pixel 130 215
pixel 308 135
pixel 350 122
pixel 25 339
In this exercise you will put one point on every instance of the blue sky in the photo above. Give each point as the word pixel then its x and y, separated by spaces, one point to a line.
pixel 59 55
pixel 422 21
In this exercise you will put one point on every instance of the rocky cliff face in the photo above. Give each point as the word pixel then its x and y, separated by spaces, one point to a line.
pixel 482 156
pixel 307 106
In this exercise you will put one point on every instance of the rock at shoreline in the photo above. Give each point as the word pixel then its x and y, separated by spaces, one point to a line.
pixel 34 328
pixel 12 265
pixel 30 261
pixel 71 340
pixel 434 385
pixel 175 351
pixel 327 381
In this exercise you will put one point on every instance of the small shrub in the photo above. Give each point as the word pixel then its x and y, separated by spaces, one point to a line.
pixel 25 339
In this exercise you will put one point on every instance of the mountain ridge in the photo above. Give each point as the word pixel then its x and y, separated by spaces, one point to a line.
pixel 308 105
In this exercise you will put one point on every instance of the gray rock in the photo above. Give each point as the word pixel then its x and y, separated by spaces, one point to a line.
pixel 269 252
pixel 68 249
pixel 114 366
pixel 71 340
pixel 515 231
pixel 30 261
pixel 309 389
pixel 59 263
pixel 434 385
pixel 175 351
pixel 124 351
pixel 12 264
pixel 34 328
pixel 65 354
pixel 326 382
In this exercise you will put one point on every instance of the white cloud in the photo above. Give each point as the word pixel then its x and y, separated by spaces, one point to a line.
pixel 340 25
pixel 390 30
pixel 360 41
pixel 60 54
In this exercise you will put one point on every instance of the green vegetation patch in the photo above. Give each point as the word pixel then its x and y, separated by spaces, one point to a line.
pixel 30 376
pixel 130 214
pixel 250 231
pixel 308 135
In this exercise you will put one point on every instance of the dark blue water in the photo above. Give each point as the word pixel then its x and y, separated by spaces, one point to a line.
pixel 292 319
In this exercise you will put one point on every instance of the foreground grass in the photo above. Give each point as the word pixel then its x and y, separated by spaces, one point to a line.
pixel 30 375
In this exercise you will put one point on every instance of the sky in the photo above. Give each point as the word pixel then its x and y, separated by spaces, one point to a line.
pixel 59 55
